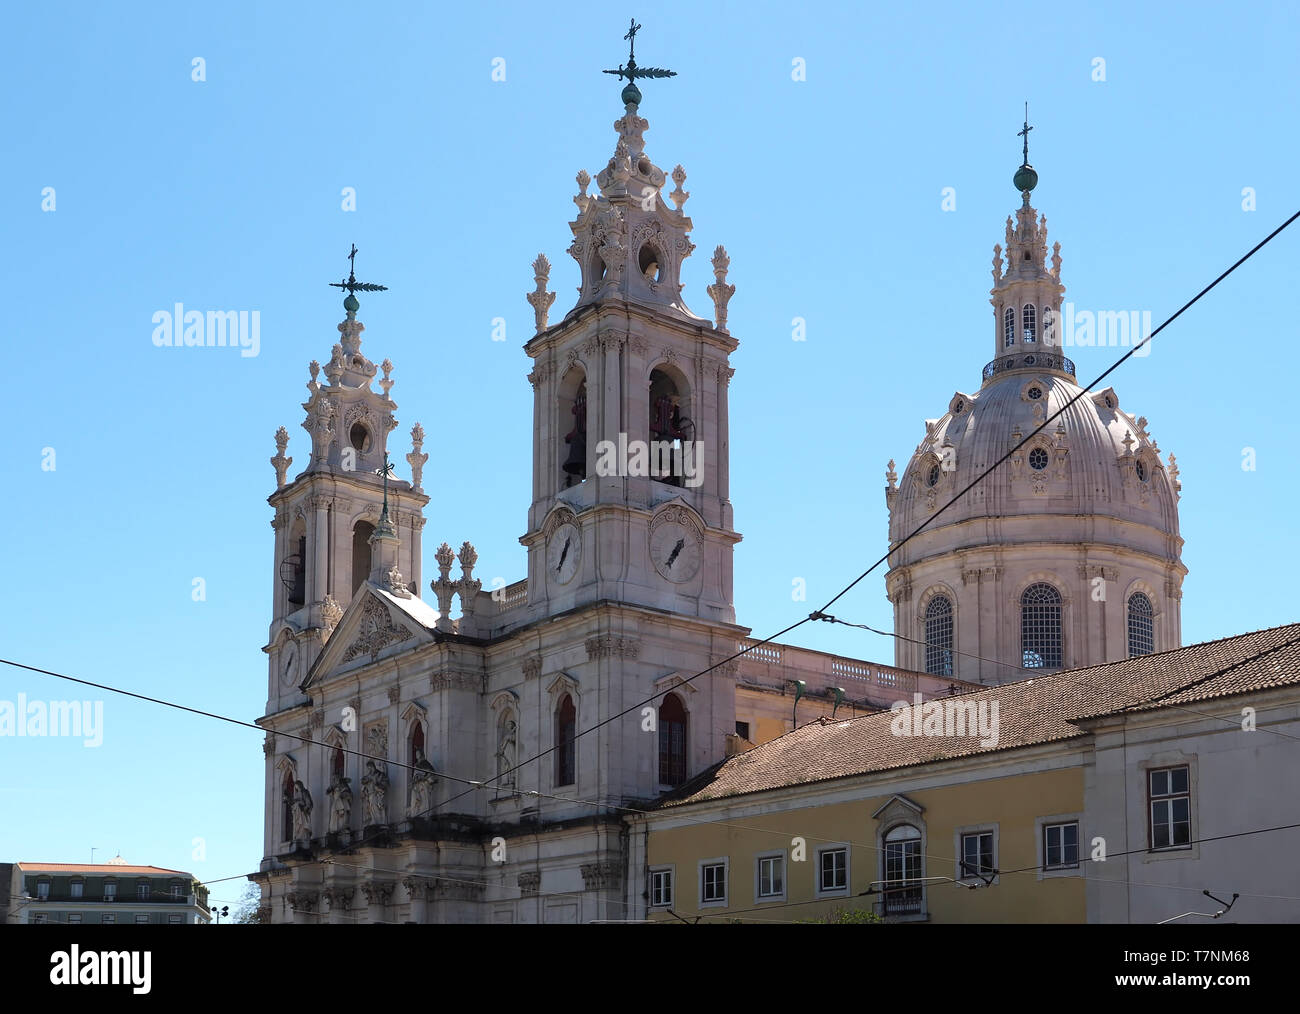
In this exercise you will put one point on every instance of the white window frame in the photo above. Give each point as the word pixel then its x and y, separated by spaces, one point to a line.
pixel 670 872
pixel 110 891
pixel 1040 826
pixel 143 892
pixel 42 890
pixel 141 918
pixel 958 851
pixel 77 889
pixel 1150 805
pixel 762 857
pixel 109 918
pixel 174 920
pixel 725 863
pixel 74 918
pixel 834 892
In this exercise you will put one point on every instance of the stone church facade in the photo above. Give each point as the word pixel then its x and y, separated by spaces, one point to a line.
pixel 473 758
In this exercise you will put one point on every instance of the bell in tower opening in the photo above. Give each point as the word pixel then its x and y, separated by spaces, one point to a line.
pixel 668 427
pixel 575 465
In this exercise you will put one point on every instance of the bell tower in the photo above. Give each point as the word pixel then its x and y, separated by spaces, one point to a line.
pixel 342 516
pixel 630 429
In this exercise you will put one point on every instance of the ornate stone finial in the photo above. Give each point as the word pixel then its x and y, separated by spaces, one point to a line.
pixel 891 476
pixel 468 586
pixel 444 587
pixel 330 614
pixel 997 263
pixel 313 368
pixel 1056 261
pixel 583 199
pixel 319 422
pixel 1128 442
pixel 540 299
pixel 280 462
pixel 415 459
pixel 720 292
pixel 1142 427
pixel 679 196
pixel 387 382
pixel 334 370
pixel 1173 477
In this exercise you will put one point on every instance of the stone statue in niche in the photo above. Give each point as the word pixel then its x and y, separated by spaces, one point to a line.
pixel 423 779
pixel 340 792
pixel 374 794
pixel 302 805
pixel 506 754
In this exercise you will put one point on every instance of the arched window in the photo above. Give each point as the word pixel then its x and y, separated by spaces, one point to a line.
pixel 1030 324
pixel 1040 627
pixel 1050 337
pixel 938 636
pixel 417 742
pixel 566 730
pixel 1009 327
pixel 336 764
pixel 672 741
pixel 361 553
pixel 286 806
pixel 904 870
pixel 1141 629
pixel 293 569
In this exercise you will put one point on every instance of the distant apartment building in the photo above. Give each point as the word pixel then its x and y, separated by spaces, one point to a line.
pixel 103 893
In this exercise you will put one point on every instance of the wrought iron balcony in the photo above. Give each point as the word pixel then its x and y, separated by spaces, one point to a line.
pixel 1029 361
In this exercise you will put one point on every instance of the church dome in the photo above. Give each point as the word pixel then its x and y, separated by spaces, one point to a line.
pixel 1068 553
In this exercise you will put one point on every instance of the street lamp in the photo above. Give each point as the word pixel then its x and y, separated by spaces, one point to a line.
pixel 219 912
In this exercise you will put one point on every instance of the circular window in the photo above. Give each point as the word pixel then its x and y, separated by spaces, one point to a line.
pixel 358 436
pixel 1142 471
pixel 933 478
pixel 1034 393
pixel 1038 459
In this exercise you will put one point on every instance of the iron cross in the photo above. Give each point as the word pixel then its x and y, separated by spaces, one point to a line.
pixel 632 71
pixel 351 284
pixel 1025 134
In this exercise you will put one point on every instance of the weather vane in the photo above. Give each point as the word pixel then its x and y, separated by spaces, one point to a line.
pixel 351 284
pixel 1025 134
pixel 632 71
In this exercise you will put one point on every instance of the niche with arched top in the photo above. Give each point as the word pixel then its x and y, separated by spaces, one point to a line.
pixel 671 426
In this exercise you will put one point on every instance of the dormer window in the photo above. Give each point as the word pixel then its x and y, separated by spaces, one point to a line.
pixel 933 478
pixel 1142 473
pixel 1038 459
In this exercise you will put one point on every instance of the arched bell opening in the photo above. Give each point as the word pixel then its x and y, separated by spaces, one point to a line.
pixel 572 422
pixel 671 428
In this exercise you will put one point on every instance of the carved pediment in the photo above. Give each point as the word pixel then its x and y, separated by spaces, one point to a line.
pixel 375 632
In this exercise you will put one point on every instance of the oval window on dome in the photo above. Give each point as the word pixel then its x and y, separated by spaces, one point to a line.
pixel 1141 470
pixel 1038 459
pixel 956 409
pixel 933 478
pixel 1034 393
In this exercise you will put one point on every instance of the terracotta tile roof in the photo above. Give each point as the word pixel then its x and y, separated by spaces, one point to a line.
pixel 106 869
pixel 1043 709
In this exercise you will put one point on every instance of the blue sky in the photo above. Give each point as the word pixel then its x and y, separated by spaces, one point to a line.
pixel 827 192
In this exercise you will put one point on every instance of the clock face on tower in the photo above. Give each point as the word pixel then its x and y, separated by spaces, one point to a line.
pixel 563 551
pixel 675 551
pixel 289 665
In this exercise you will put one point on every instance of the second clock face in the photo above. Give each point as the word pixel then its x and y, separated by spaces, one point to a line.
pixel 563 551
pixel 675 551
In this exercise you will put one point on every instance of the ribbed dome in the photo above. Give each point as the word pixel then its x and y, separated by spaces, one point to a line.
pixel 1079 465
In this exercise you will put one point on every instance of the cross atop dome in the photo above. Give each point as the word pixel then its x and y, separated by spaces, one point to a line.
pixel 1025 179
